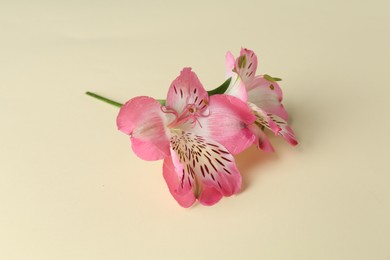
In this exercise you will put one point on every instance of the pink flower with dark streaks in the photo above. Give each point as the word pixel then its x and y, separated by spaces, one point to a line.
pixel 196 136
pixel 263 95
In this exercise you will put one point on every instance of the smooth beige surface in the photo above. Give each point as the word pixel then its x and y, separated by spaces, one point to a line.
pixel 71 188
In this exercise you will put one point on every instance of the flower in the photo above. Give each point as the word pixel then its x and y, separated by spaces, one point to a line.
pixel 263 95
pixel 195 134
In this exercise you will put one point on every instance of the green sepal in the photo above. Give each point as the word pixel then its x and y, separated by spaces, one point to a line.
pixel 161 101
pixel 272 79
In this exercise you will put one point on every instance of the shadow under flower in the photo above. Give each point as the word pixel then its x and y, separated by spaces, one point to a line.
pixel 249 159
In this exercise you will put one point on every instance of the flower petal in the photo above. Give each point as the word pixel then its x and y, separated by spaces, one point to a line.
pixel 209 196
pixel 185 174
pixel 204 163
pixel 170 175
pixel 274 123
pixel 143 120
pixel 230 63
pixel 262 141
pixel 285 131
pixel 236 87
pixel 246 65
pixel 263 119
pixel 186 89
pixel 267 96
pixel 227 123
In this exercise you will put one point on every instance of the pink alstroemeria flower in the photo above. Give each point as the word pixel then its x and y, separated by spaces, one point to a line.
pixel 196 136
pixel 263 95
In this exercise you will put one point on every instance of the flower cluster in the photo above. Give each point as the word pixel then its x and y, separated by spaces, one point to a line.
pixel 197 132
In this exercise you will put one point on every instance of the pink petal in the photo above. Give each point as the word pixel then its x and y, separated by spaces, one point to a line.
pixel 149 150
pixel 228 123
pixel 186 89
pixel 142 119
pixel 230 62
pixel 274 123
pixel 169 172
pixel 267 96
pixel 262 140
pixel 262 118
pixel 246 65
pixel 184 174
pixel 209 196
pixel 285 131
pixel 204 163
pixel 236 87
pixel 265 87
pixel 288 135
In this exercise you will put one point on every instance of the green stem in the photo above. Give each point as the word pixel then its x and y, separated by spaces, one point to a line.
pixel 109 101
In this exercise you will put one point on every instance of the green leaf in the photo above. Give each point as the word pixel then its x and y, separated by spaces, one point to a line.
pixel 272 79
pixel 221 89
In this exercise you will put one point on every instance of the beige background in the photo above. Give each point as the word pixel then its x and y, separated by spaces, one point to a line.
pixel 71 188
